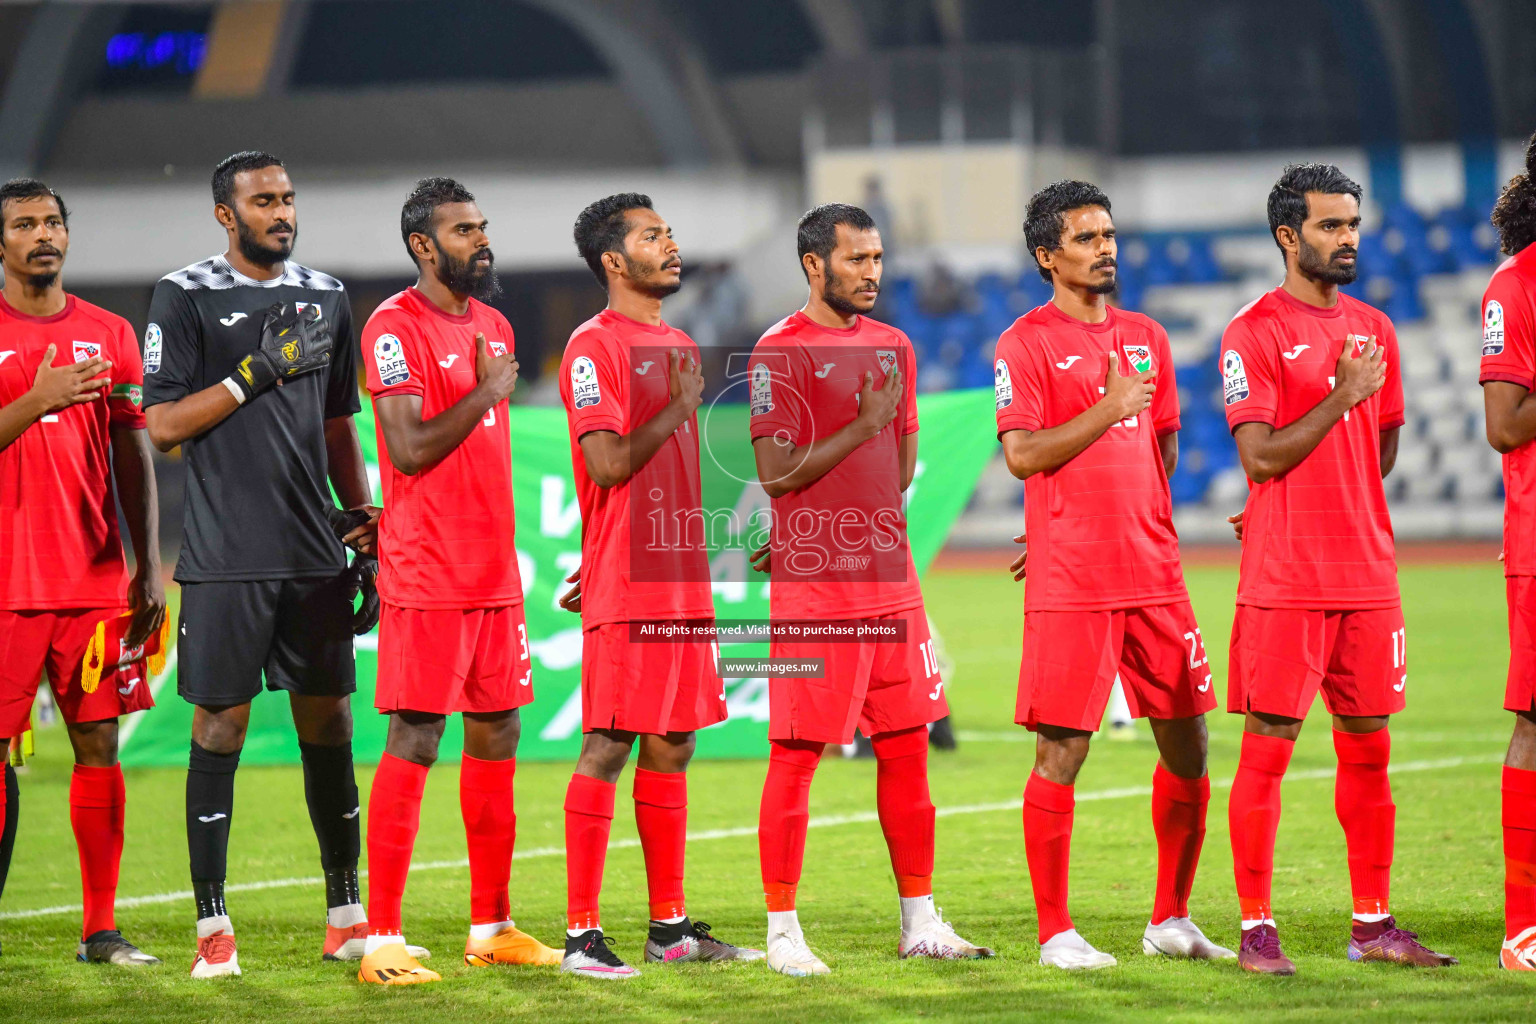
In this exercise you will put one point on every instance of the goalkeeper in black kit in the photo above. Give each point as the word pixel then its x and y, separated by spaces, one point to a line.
pixel 249 366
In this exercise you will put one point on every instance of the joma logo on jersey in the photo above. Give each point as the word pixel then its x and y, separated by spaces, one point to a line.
pixel 86 350
pixel 1139 356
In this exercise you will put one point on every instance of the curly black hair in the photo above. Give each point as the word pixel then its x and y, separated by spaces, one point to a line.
pixel 421 205
pixel 1044 218
pixel 18 189
pixel 1288 199
pixel 601 228
pixel 1515 212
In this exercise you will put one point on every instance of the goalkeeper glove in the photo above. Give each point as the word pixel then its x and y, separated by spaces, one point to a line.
pixel 293 343
pixel 362 575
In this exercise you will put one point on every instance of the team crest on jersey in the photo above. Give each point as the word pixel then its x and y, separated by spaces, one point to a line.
pixel 498 348
pixel 887 359
pixel 389 356
pixel 1493 328
pixel 1234 379
pixel 1360 340
pixel 762 390
pixel 1139 357
pixel 152 342
pixel 1002 384
pixel 584 387
pixel 86 350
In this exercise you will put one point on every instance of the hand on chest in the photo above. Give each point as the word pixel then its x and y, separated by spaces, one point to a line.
pixel 1307 370
pixel 834 377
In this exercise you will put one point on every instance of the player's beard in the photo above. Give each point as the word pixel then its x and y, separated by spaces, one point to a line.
pixel 1310 262
pixel 832 293
pixel 1108 286
pixel 41 282
pixel 642 273
pixel 473 277
pixel 252 249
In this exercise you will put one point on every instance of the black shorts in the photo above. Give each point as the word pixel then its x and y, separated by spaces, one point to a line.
pixel 296 632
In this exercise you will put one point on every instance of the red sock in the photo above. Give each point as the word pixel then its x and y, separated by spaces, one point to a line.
pixel 1048 846
pixel 1178 819
pixel 1362 798
pixel 782 818
pixel 906 811
pixel 1253 817
pixel 394 815
pixel 588 818
pixel 490 826
pixel 96 799
pixel 1519 850
pixel 661 815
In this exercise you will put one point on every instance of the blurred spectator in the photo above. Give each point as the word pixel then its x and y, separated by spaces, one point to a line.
pixel 941 293
pixel 880 212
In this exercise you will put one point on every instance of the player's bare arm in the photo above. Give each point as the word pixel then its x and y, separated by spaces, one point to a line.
pixel 1511 415
pixel 415 444
pixel 907 445
pixel 784 468
pixel 1168 446
pixel 1388 450
pixel 349 477
pixel 171 423
pixel 134 472
pixel 613 458
pixel 1028 452
pixel 54 389
pixel 1267 452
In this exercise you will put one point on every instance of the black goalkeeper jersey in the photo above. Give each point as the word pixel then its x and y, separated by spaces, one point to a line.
pixel 257 485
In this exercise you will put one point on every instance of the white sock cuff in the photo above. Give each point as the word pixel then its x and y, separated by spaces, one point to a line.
pixel 489 931
pixel 207 926
pixel 348 916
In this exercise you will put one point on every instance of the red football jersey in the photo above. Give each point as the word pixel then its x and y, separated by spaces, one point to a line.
pixel 643 550
pixel 840 548
pixel 1509 354
pixel 1320 535
pixel 59 544
pixel 446 538
pixel 1100 527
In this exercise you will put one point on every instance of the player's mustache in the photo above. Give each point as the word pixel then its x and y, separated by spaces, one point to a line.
pixel 675 261
pixel 43 250
pixel 1106 262
pixel 484 256
pixel 281 225
pixel 1341 253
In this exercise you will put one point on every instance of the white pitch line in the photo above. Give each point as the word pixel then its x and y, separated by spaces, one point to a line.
pixel 825 821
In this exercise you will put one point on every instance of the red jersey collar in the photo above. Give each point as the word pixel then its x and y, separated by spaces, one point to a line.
pixel 799 317
pixel 618 319
pixel 1337 309
pixel 69 307
pixel 432 307
pixel 1067 318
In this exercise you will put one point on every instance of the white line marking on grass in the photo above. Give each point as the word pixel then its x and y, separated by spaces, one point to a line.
pixel 824 821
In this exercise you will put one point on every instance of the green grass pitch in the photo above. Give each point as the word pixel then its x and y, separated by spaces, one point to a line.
pixel 1448 878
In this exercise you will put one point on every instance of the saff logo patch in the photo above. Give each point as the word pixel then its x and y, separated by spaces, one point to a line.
pixel 585 390
pixel 1234 378
pixel 1002 384
pixel 1139 357
pixel 86 350
pixel 153 340
pixel 762 390
pixel 389 356
pixel 1493 328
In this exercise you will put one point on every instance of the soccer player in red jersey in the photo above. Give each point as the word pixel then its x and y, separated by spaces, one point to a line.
pixel 631 385
pixel 452 638
pixel 834 432
pixel 1088 416
pixel 1314 397
pixel 1508 377
pixel 71 423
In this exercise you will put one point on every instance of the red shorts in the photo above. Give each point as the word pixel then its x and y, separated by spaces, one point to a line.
pixel 1071 660
pixel 1520 690
pixel 653 688
pixel 439 661
pixel 1280 657
pixel 878 687
pixel 56 640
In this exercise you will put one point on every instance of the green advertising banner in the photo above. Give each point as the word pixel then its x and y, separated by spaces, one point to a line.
pixel 956 439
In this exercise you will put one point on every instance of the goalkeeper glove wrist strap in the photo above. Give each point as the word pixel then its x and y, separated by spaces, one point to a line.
pixel 235 389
